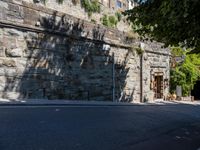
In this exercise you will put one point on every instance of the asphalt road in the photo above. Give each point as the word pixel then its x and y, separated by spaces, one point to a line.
pixel 169 127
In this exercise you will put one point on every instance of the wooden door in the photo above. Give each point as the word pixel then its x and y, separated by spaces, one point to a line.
pixel 158 87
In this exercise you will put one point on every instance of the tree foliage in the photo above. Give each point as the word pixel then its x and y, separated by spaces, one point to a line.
pixel 187 73
pixel 173 22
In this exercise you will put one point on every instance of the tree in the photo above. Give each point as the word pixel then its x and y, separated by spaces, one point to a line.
pixel 173 22
pixel 185 74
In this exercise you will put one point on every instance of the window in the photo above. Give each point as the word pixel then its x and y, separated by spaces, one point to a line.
pixel 119 4
pixel 124 5
pixel 132 3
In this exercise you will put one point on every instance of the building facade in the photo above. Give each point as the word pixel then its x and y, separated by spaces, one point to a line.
pixel 118 5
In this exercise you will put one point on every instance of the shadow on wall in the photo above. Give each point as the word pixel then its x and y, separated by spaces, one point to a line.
pixel 55 66
pixel 121 72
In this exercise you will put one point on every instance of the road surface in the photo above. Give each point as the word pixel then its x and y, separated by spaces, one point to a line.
pixel 167 127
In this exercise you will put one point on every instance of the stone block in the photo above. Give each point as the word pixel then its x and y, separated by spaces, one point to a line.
pixel 14 32
pixel 29 84
pixel 17 1
pixel 2 52
pixel 9 72
pixel 7 62
pixel 156 59
pixel 3 79
pixel 10 84
pixel 15 52
pixel 10 95
pixel 3 5
pixel 21 70
pixel 2 87
pixel 21 62
pixel 2 71
pixel 14 13
pixel 1 32
pixel 33 53
pixel 3 8
pixel 30 35
pixel 41 64
pixel 9 42
pixel 21 43
pixel 34 94
pixel 2 15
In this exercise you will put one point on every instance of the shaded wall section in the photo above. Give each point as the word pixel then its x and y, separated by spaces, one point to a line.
pixel 38 65
pixel 196 91
pixel 54 67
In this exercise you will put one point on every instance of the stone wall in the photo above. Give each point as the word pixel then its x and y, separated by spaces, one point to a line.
pixel 78 11
pixel 46 54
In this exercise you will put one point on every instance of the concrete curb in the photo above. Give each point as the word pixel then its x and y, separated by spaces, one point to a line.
pixel 68 103
pixel 7 102
pixel 42 102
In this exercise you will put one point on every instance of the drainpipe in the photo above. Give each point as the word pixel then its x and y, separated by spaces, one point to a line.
pixel 142 45
pixel 141 78
pixel 113 77
pixel 109 4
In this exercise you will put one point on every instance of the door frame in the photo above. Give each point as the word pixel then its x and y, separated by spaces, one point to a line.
pixel 158 83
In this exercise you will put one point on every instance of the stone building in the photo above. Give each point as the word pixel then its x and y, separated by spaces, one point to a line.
pixel 119 5
pixel 48 54
pixel 131 4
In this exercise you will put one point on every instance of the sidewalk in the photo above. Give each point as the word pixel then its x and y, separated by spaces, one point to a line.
pixel 7 102
pixel 58 102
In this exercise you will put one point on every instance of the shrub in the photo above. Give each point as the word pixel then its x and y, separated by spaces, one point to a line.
pixel 60 1
pixel 105 21
pixel 118 15
pixel 113 21
pixel 91 6
pixel 75 2
pixel 109 21
pixel 93 21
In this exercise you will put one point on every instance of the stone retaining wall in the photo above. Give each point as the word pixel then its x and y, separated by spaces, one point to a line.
pixel 51 55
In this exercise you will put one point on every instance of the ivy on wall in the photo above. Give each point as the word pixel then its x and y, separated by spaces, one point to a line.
pixel 109 21
pixel 75 2
pixel 93 21
pixel 60 1
pixel 91 6
pixel 118 15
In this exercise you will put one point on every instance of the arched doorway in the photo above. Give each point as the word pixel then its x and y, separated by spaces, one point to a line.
pixel 196 91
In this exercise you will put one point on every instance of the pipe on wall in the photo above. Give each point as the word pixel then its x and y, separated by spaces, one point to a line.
pixel 141 78
pixel 113 77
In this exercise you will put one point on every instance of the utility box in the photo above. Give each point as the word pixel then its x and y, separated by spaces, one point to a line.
pixel 178 92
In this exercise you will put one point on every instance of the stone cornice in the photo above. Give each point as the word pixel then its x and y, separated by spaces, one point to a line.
pixel 7 24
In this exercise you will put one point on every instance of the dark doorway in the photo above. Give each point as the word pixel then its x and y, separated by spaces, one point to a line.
pixel 196 91
pixel 158 87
